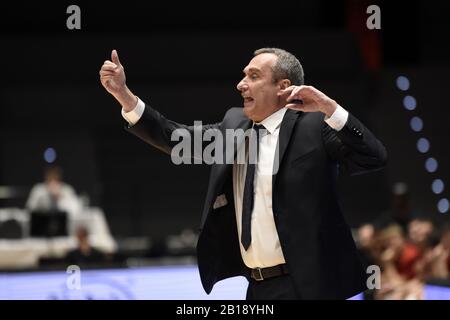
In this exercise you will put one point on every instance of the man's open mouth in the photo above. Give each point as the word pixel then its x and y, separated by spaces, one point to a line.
pixel 248 99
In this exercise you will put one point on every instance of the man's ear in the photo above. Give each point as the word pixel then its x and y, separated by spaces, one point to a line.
pixel 285 83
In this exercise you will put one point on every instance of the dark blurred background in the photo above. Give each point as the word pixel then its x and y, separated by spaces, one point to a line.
pixel 185 59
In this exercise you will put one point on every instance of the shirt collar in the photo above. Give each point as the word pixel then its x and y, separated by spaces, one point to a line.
pixel 272 122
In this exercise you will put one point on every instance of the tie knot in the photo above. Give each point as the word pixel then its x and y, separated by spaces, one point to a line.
pixel 260 129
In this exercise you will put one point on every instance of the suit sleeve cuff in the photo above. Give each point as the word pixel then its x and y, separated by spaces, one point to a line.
pixel 133 116
pixel 338 119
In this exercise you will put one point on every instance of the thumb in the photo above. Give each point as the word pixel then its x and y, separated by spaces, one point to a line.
pixel 115 57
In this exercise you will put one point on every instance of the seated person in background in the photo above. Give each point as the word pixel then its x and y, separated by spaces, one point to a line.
pixel 53 194
pixel 419 230
pixel 84 253
pixel 435 261
pixel 365 241
pixel 396 258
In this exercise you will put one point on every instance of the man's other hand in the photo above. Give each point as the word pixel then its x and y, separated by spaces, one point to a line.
pixel 112 77
pixel 313 99
pixel 112 74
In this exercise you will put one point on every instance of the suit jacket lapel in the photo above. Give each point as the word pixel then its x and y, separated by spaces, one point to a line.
pixel 287 125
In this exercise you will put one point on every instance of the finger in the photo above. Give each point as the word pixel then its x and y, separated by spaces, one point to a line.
pixel 287 90
pixel 295 94
pixel 111 76
pixel 109 67
pixel 283 94
pixel 115 57
pixel 107 73
pixel 106 78
pixel 313 92
pixel 304 92
pixel 107 62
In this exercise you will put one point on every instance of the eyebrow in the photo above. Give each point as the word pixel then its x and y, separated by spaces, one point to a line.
pixel 251 70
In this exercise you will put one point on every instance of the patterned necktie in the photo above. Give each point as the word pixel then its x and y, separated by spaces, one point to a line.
pixel 249 195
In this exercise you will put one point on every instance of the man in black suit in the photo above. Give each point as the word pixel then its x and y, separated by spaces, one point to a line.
pixel 276 221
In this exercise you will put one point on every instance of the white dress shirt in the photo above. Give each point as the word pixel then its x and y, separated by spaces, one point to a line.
pixel 40 198
pixel 265 249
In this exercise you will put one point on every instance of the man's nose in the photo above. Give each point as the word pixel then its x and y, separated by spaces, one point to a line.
pixel 242 86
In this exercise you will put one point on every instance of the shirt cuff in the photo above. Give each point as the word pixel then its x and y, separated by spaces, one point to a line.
pixel 134 115
pixel 338 119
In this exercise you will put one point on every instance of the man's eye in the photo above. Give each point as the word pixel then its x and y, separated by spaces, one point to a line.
pixel 254 76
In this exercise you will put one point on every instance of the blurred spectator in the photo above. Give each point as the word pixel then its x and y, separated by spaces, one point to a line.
pixel 392 250
pixel 396 258
pixel 365 239
pixel 84 253
pixel 435 261
pixel 445 242
pixel 399 289
pixel 419 231
pixel 365 235
pixel 53 194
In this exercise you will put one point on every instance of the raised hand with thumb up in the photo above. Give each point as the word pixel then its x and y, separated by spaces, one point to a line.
pixel 112 77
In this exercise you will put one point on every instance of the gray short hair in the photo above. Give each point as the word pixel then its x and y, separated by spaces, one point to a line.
pixel 286 67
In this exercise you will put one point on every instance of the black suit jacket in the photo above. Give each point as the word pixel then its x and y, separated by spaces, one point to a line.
pixel 316 241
